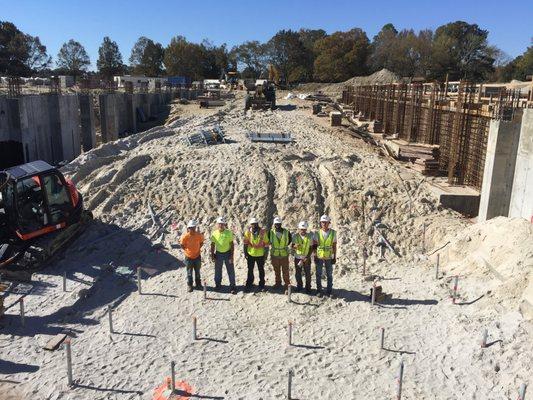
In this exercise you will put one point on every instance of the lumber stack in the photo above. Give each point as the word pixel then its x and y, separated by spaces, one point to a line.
pixel 425 158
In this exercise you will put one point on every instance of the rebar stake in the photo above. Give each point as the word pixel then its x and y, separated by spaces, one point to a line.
pixel 289 386
pixel 437 267
pixel 382 339
pixel 205 290
pixel 69 362
pixel 110 315
pixel 400 381
pixel 139 288
pixel 173 376
pixel 289 333
pixel 22 313
pixel 289 292
pixel 194 335
pixel 456 283
pixel 65 281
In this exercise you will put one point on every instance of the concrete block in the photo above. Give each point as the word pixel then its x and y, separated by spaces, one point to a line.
pixel 522 192
pixel 500 160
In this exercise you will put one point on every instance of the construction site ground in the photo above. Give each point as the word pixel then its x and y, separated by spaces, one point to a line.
pixel 242 350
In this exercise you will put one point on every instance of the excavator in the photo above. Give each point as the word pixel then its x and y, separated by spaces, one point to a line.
pixel 40 213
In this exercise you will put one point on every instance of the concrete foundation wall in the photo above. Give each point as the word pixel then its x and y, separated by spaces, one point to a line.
pixel 35 124
pixel 88 132
pixel 69 119
pixel 502 147
pixel 522 193
pixel 9 120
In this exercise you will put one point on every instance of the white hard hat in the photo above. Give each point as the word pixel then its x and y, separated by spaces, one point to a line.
pixel 325 218
pixel 277 220
pixel 253 220
pixel 221 220
pixel 302 225
pixel 192 223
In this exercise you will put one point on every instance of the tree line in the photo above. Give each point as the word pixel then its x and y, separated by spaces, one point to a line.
pixel 457 50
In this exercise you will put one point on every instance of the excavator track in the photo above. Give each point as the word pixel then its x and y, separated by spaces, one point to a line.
pixel 27 259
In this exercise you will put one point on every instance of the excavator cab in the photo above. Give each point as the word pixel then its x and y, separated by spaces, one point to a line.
pixel 36 199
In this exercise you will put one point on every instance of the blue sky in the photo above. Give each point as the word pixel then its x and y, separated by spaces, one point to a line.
pixel 234 21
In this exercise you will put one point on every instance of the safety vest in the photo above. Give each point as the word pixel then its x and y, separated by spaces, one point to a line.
pixel 280 246
pixel 303 244
pixel 256 240
pixel 324 250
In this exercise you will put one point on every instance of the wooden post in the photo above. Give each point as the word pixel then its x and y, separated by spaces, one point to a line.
pixel 194 335
pixel 173 376
pixel 110 315
pixel 65 281
pixel 22 314
pixel 456 283
pixel 382 338
pixel 69 362
pixel 437 267
pixel 289 333
pixel 289 386
pixel 139 288
pixel 400 381
pixel 522 392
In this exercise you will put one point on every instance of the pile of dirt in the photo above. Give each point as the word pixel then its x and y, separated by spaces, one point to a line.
pixel 381 77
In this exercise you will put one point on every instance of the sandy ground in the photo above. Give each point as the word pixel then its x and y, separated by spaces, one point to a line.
pixel 242 351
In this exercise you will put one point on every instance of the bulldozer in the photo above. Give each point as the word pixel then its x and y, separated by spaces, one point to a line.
pixel 40 213
pixel 260 96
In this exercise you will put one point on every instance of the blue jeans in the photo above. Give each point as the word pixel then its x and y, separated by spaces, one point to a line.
pixel 193 265
pixel 224 258
pixel 329 274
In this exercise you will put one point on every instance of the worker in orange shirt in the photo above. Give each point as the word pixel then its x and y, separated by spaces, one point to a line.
pixel 191 243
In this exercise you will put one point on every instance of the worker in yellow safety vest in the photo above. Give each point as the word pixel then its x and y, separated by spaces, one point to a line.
pixel 326 254
pixel 222 251
pixel 280 239
pixel 302 243
pixel 255 251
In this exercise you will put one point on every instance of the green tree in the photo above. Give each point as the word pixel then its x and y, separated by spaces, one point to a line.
pixel 215 60
pixel 183 58
pixel 147 57
pixel 73 58
pixel 288 54
pixel 251 55
pixel 109 61
pixel 341 56
pixel 524 64
pixel 383 49
pixel 20 54
pixel 461 50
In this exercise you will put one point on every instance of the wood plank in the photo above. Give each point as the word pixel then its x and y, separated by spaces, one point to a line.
pixel 55 342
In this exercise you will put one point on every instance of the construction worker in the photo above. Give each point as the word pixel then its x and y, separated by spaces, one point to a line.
pixel 302 243
pixel 280 239
pixel 255 252
pixel 222 251
pixel 191 242
pixel 326 254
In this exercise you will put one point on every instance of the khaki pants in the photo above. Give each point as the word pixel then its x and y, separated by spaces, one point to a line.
pixel 281 264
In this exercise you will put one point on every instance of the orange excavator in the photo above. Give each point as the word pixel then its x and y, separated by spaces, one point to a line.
pixel 40 213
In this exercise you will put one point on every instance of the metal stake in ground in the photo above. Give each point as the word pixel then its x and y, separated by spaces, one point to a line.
pixel 289 333
pixel 205 290
pixel 522 392
pixel 194 335
pixel 22 314
pixel 110 315
pixel 139 280
pixel 289 386
pixel 365 256
pixel 400 381
pixel 173 376
pixel 437 267
pixel 484 339
pixel 65 281
pixel 69 362
pixel 382 338
pixel 373 301
pixel 456 283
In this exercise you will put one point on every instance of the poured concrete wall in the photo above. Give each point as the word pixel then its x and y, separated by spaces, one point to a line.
pixel 113 116
pixel 9 120
pixel 69 120
pixel 500 160
pixel 36 128
pixel 88 132
pixel 522 193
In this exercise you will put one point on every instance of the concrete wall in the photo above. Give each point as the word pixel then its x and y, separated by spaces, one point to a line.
pixel 502 147
pixel 36 123
pixel 69 120
pixel 113 116
pixel 9 120
pixel 88 132
pixel 522 193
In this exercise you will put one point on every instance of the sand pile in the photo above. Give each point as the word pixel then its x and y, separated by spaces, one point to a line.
pixel 242 351
pixel 381 77
pixel 500 251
